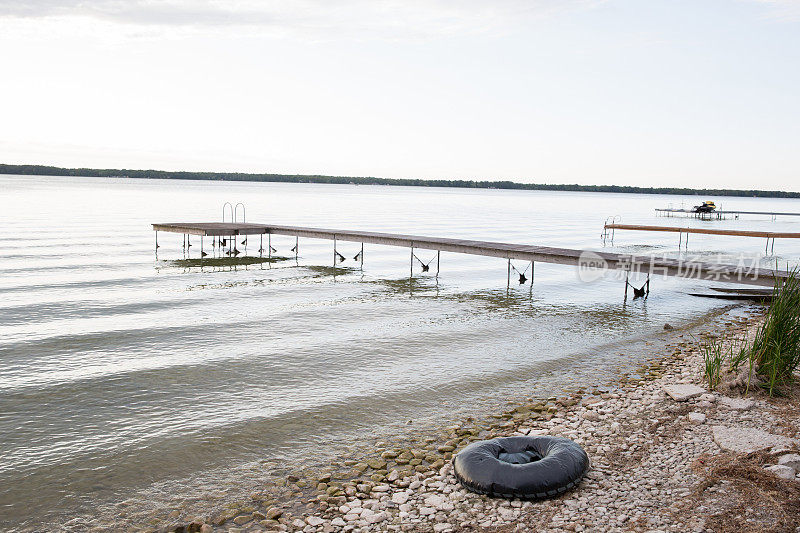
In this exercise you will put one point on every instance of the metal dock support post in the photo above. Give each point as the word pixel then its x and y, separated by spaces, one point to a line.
pixel 438 255
pixel 530 289
pixel 508 277
pixel 411 263
pixel 626 284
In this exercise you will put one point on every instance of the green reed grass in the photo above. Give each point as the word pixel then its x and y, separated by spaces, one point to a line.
pixel 775 351
pixel 713 355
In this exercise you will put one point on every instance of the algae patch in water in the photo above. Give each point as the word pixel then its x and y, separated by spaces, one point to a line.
pixel 224 261
pixel 330 270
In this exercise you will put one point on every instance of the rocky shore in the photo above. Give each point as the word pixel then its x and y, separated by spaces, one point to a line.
pixel 667 455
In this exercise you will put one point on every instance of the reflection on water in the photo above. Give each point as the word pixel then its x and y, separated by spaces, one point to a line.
pixel 122 368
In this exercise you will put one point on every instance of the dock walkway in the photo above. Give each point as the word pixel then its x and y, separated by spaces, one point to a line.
pixel 707 231
pixel 583 259
pixel 769 235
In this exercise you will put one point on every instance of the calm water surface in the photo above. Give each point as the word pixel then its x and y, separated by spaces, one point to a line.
pixel 120 369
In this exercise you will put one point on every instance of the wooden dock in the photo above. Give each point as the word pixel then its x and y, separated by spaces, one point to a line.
pixel 769 235
pixel 720 214
pixel 583 259
pixel 707 231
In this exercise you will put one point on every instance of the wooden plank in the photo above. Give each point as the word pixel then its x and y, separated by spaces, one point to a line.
pixel 524 252
pixel 707 231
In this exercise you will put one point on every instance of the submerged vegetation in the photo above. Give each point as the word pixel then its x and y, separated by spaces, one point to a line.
pixel 42 170
pixel 225 261
pixel 771 358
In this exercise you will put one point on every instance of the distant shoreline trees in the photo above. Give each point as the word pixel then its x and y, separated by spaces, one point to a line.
pixel 43 170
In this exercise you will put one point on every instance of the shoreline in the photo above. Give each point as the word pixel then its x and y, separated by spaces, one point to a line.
pixel 634 433
pixel 28 170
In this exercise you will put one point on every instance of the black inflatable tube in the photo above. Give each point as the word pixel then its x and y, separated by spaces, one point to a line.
pixel 530 468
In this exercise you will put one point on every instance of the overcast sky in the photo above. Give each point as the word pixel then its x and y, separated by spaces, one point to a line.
pixel 675 93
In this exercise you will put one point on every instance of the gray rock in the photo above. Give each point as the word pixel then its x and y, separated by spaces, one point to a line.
pixel 400 497
pixel 376 518
pixel 682 392
pixel 782 471
pixel 791 460
pixel 314 521
pixel 737 404
pixel 747 440
pixel 697 418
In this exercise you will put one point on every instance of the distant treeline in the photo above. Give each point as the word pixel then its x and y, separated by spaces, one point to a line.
pixel 42 170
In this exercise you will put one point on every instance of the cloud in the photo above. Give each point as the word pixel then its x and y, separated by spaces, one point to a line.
pixel 782 9
pixel 389 17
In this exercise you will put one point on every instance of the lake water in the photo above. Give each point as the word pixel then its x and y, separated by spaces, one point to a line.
pixel 121 370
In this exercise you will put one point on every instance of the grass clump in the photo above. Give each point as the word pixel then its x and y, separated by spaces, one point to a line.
pixel 775 350
pixel 713 356
pixel 768 361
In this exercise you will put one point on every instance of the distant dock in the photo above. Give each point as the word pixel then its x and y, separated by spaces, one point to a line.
pixel 625 263
pixel 721 214
pixel 769 235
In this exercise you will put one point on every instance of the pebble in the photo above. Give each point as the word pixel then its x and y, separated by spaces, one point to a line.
pixel 696 418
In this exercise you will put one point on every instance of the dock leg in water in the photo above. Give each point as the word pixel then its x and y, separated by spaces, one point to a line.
pixel 626 285
pixel 530 289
